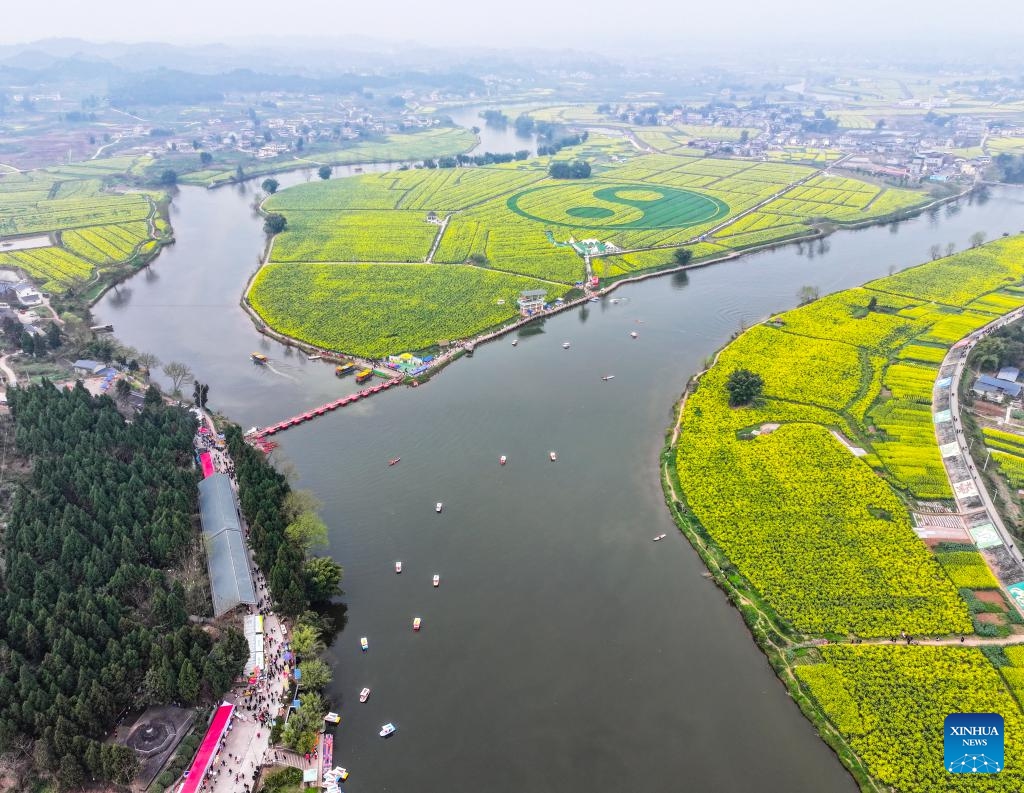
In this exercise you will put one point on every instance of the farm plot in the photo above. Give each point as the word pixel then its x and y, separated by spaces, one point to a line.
pixel 73 213
pixel 911 382
pixel 967 569
pixel 805 154
pixel 404 147
pixel 661 139
pixel 108 166
pixel 440 190
pixel 639 261
pixel 106 244
pixel 54 269
pixel 95 227
pixel 355 236
pixel 1012 466
pixel 374 310
pixel 829 364
pixel 716 133
pixel 890 702
pixel 616 206
pixel 922 352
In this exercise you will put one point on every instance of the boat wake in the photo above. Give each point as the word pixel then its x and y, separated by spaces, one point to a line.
pixel 280 373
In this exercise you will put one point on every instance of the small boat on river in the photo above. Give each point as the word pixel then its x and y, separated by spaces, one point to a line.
pixel 553 456
pixel 364 644
pixel 566 345
pixel 515 342
pixel 595 300
pixel 398 567
pixel 394 461
pixel 660 537
pixel 416 624
pixel 343 369
pixel 364 375
pixel 387 729
pixel 502 460
pixel 608 377
pixel 364 695
pixel 437 580
pixel 633 334
pixel 258 358
pixel 313 357
pixel 438 507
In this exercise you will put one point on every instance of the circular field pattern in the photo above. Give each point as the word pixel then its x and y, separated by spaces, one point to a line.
pixel 616 206
pixel 593 213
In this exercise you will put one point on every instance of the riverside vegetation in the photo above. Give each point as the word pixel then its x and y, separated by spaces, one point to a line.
pixel 389 262
pixel 814 542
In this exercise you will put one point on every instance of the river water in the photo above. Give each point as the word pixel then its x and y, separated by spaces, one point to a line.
pixel 493 138
pixel 564 651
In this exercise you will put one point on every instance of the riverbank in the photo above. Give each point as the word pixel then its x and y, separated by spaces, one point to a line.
pixel 802 645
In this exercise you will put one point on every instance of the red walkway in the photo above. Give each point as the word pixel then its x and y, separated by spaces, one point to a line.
pixel 259 435
pixel 208 749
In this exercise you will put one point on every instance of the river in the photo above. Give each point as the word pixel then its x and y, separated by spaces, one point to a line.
pixel 564 651
pixel 494 138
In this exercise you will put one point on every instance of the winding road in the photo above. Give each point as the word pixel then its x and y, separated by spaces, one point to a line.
pixel 957 358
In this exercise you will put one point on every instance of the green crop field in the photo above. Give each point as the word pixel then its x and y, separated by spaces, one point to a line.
pixel 514 219
pixel 889 702
pixel 107 244
pixel 374 310
pixel 353 236
pixel 824 540
pixel 94 227
pixel 826 356
pixel 618 206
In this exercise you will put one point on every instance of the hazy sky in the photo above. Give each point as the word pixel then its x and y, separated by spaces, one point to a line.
pixel 680 23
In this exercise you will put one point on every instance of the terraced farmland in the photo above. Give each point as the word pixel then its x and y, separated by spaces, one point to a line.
pixel 107 244
pixel 92 228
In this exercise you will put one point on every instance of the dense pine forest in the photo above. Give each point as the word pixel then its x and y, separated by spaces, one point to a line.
pixel 283 528
pixel 93 617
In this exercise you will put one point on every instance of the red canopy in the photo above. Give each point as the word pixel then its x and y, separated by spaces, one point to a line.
pixel 208 749
pixel 207 463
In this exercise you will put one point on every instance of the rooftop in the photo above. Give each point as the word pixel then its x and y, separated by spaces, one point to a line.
pixel 226 554
pixel 988 383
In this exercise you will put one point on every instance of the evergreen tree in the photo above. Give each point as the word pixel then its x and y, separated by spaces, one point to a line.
pixel 188 683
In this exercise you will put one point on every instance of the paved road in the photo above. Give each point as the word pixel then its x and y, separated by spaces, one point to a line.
pixel 958 357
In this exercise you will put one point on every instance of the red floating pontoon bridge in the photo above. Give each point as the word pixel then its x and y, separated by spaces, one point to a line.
pixel 207 749
pixel 259 437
